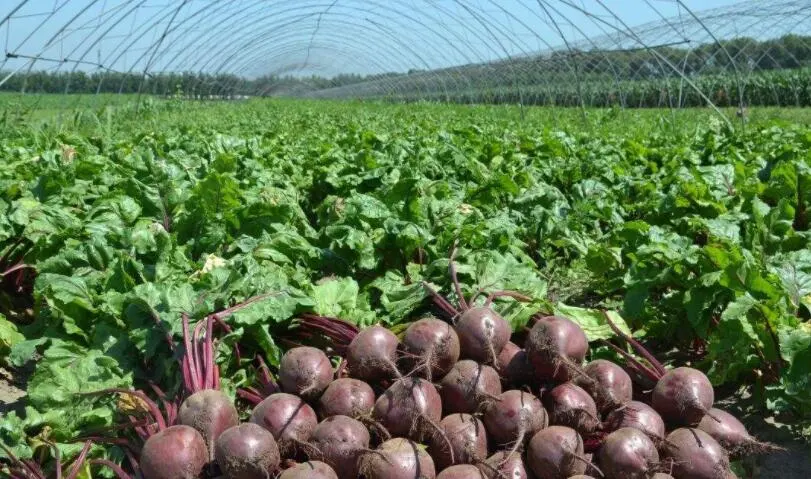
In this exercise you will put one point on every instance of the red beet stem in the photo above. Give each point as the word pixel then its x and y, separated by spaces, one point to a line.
pixel 452 269
pixel 658 367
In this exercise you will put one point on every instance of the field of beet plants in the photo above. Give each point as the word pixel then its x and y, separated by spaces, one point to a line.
pixel 322 290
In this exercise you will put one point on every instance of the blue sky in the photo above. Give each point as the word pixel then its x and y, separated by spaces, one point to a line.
pixel 254 37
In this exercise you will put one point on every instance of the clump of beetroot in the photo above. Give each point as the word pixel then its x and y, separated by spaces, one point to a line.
pixel 287 417
pixel 570 405
pixel 206 409
pixel 467 386
pixel 513 365
pixel 556 347
pixel 398 458
pixel 683 396
pixel 637 415
pixel 504 464
pixel 556 452
pixel 305 371
pixel 310 470
pixel 431 347
pixel 411 407
pixel 346 397
pixel 732 434
pixel 514 418
pixel 463 440
pixel 482 334
pixel 609 385
pixel 695 454
pixel 247 451
pixel 177 452
pixel 372 355
pixel 461 471
pixel 341 441
pixel 628 453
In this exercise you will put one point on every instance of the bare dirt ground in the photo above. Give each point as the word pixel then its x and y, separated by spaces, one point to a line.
pixel 12 391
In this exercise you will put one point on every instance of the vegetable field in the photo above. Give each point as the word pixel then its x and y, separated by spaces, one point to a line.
pixel 301 223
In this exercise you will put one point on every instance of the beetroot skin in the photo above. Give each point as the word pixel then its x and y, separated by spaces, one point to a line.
pixel 210 412
pixel 310 470
pixel 346 397
pixel 372 355
pixel 504 465
pixel 515 417
pixel 463 440
pixel 556 347
pixel 482 334
pixel 341 440
pixel 410 408
pixel 628 453
pixel 637 415
pixel 556 453
pixel 247 451
pixel 610 385
pixel 467 386
pixel 431 347
pixel 287 417
pixel 461 471
pixel 683 396
pixel 398 459
pixel 694 454
pixel 570 405
pixel 513 365
pixel 177 452
pixel 305 371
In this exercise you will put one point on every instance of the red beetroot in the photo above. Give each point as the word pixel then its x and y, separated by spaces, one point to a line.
pixel 210 412
pixel 610 386
pixel 467 386
pixel 556 347
pixel 637 415
pixel 287 417
pixel 556 452
pixel 514 418
pixel 732 434
pixel 683 396
pixel 463 440
pixel 503 464
pixel 346 397
pixel 694 454
pixel 398 459
pixel 177 452
pixel 628 453
pixel 305 371
pixel 410 408
pixel 341 441
pixel 461 471
pixel 513 365
pixel 310 470
pixel 431 347
pixel 247 451
pixel 482 334
pixel 372 355
pixel 570 405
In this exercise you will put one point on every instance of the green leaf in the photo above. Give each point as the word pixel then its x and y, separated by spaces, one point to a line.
pixel 9 336
pixel 593 321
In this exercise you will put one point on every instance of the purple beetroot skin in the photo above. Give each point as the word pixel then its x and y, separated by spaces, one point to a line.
pixel 372 355
pixel 305 371
pixel 177 452
pixel 467 386
pixel 247 451
pixel 556 347
pixel 482 334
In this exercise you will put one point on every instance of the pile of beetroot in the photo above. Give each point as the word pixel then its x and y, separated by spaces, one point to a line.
pixel 448 399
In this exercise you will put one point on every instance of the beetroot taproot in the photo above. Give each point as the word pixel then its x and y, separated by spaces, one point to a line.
pixel 177 452
pixel 247 451
pixel 305 371
pixel 467 386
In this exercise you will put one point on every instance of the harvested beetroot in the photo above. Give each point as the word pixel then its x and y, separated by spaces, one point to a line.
pixel 210 412
pixel 247 451
pixel 372 355
pixel 628 453
pixel 504 464
pixel 461 471
pixel 411 408
pixel 177 452
pixel 398 458
pixel 556 347
pixel 683 396
pixel 310 470
pixel 462 440
pixel 609 385
pixel 467 386
pixel 732 434
pixel 513 365
pixel 431 348
pixel 305 371
pixel 482 334
pixel 287 417
pixel 637 415
pixel 341 441
pixel 514 418
pixel 570 405
pixel 556 452
pixel 694 454
pixel 346 397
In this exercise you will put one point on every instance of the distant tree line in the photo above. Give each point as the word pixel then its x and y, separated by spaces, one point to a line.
pixel 787 52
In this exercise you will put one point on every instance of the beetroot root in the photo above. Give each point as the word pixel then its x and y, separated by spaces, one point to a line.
pixel 504 464
pixel 694 454
pixel 639 416
pixel 210 412
pixel 411 408
pixel 556 347
pixel 431 348
pixel 305 371
pixel 610 385
pixel 341 441
pixel 482 334
pixel 372 355
pixel 346 397
pixel 570 405
pixel 177 452
pixel 683 396
pixel 513 365
pixel 514 418
pixel 461 471
pixel 247 451
pixel 398 458
pixel 462 440
pixel 557 453
pixel 467 386
pixel 287 417
pixel 310 470
pixel 732 434
pixel 628 453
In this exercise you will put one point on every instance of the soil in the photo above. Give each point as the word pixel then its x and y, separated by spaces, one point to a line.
pixel 12 391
